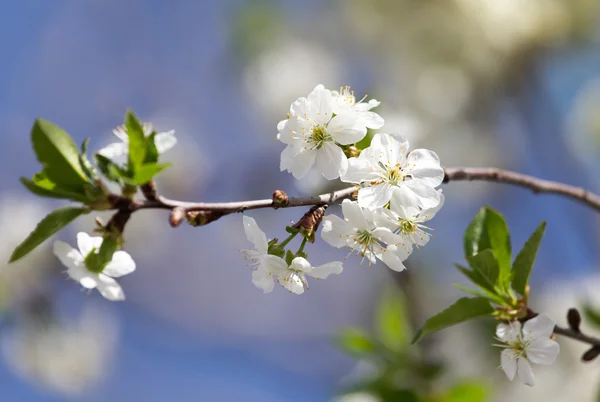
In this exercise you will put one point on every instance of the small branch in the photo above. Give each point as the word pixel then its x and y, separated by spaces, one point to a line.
pixel 578 336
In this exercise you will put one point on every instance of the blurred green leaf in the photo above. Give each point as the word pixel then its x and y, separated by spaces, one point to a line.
pixel 398 395
pixel 146 172
pixel 486 264
pixel 477 278
pixel 51 224
pixel 463 309
pixel 355 342
pixel 87 167
pixel 467 392
pixel 111 170
pixel 592 315
pixel 97 261
pixel 151 150
pixel 479 293
pixel 525 259
pixel 59 155
pixel 289 257
pixel 392 325
pixel 42 186
pixel 137 142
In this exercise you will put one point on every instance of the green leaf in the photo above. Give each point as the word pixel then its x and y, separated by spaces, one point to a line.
pixel 137 141
pixel 486 264
pixel 355 342
pixel 43 187
pixel 524 261
pixel 463 309
pixel 291 230
pixel 145 173
pixel 87 167
pixel 477 278
pixel 97 261
pixel 467 392
pixel 391 323
pixel 151 150
pixel 51 224
pixel 479 293
pixel 289 257
pixel 111 170
pixel 59 155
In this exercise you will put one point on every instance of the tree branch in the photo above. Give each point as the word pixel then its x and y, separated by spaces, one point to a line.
pixel 569 333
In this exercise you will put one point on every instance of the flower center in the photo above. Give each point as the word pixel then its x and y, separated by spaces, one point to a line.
pixel 407 227
pixel 318 136
pixel 347 95
pixel 392 174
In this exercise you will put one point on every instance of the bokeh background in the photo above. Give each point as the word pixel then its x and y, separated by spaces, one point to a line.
pixel 506 83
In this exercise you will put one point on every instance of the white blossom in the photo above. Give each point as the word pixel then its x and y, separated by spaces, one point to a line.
pixel 406 219
pixel 163 141
pixel 386 165
pixel 261 278
pixel 531 343
pixel 121 264
pixel 359 232
pixel 293 276
pixel 314 131
pixel 345 101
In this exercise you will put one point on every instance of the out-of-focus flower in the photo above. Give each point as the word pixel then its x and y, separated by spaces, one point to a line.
pixel 387 165
pixel 261 278
pixel 75 261
pixel 530 343
pixel 293 276
pixel 359 232
pixel 163 141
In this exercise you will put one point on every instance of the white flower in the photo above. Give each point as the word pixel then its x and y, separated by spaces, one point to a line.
pixel 387 165
pixel 293 276
pixel 121 264
pixel 405 218
pixel 532 343
pixel 261 278
pixel 359 232
pixel 345 101
pixel 312 134
pixel 163 141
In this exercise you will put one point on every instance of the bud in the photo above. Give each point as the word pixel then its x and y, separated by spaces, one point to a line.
pixel 352 151
pixel 591 354
pixel 574 319
pixel 280 199
pixel 177 216
pixel 149 190
pixel 309 223
pixel 201 218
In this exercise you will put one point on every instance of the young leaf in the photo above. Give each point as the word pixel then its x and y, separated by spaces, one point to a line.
pixel 59 155
pixel 354 341
pixel 391 322
pixel 486 264
pixel 146 172
pixel 45 188
pixel 524 261
pixel 151 150
pixel 478 279
pixel 463 309
pixel 479 293
pixel 137 141
pixel 51 224
pixel 87 167
pixel 110 170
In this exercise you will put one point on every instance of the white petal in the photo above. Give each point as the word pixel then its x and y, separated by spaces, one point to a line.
pixel 335 231
pixel 110 289
pixel 320 105
pixel 323 271
pixel 285 134
pixel 121 264
pixel 274 265
pixel 293 282
pixel 371 120
pixel 353 214
pixel 300 264
pixel 255 235
pixel 68 256
pixel 165 141
pixel 508 362
pixel 87 243
pixel 541 326
pixel 375 196
pixel 428 196
pixel 87 279
pixel 331 161
pixel 424 165
pixel 393 259
pixel 509 333
pixel 297 160
pixel 121 133
pixel 263 280
pixel 525 372
pixel 114 150
pixel 299 108
pixel 363 107
pixel 359 170
pixel 543 351
pixel 390 149
pixel 345 128
pixel 386 235
pixel 383 217
pixel 430 213
pixel 405 202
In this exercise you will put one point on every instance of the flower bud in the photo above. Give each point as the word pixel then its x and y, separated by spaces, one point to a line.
pixel 201 218
pixel 352 151
pixel 310 222
pixel 574 319
pixel 280 199
pixel 591 354
pixel 177 216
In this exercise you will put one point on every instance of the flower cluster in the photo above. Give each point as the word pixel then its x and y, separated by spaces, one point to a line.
pixel 395 189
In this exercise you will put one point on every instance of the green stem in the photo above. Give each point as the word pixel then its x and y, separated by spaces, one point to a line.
pixel 289 239
pixel 301 249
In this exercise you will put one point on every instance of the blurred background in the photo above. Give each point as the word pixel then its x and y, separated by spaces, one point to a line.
pixel 507 83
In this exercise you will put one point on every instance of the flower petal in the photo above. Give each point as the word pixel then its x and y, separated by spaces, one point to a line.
pixel 424 165
pixel 525 372
pixel 392 258
pixel 121 264
pixel 300 264
pixel 405 202
pixel 359 170
pixel 383 217
pixel 543 351
pixel 285 134
pixel 165 141
pixel 353 214
pixel 274 265
pixel 87 243
pixel 299 108
pixel 331 161
pixel 541 326
pixel 114 150
pixel 320 105
pixel 297 160
pixel 509 333
pixel 370 119
pixel 293 282
pixel 255 235
pixel 428 196
pixel 68 256
pixel 263 280
pixel 389 149
pixel 323 271
pixel 363 107
pixel 508 362
pixel 375 196
pixel 346 128
pixel 110 289
pixel 335 231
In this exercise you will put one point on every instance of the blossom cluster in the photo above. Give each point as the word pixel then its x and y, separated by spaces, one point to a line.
pixel 395 188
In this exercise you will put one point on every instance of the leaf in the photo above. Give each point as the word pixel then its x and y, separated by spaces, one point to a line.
pixel 151 150
pixel 51 224
pixel 355 342
pixel 111 170
pixel 467 392
pixel 87 167
pixel 463 309
pixel 477 278
pixel 137 141
pixel 145 173
pixel 592 315
pixel 485 263
pixel 43 187
pixel 479 293
pixel 524 261
pixel 391 322
pixel 291 230
pixel 488 230
pixel 97 261
pixel 289 257
pixel 57 152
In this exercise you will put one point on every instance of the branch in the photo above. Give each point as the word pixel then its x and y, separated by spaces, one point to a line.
pixel 570 333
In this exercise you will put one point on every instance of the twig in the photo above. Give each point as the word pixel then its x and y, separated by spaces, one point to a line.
pixel 569 333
